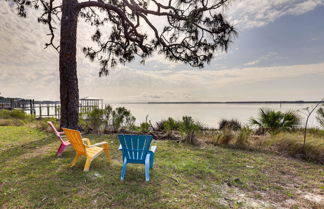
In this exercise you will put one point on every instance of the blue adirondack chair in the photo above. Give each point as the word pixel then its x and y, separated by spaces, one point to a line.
pixel 136 149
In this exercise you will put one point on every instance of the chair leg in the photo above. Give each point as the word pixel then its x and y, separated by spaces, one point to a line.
pixel 87 164
pixel 151 159
pixel 75 159
pixel 123 170
pixel 60 149
pixel 105 148
pixel 147 168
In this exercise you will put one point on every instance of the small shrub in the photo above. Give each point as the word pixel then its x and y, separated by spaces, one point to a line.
pixel 233 124
pixel 243 136
pixel 171 125
pixel 160 125
pixel 130 122
pixel 15 114
pixel 168 125
pixel 189 128
pixel 214 138
pixel 118 117
pixel 226 137
pixel 83 124
pixel 108 116
pixel 107 120
pixel 96 119
pixel 145 127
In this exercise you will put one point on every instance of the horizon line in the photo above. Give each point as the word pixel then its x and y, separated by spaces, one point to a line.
pixel 229 102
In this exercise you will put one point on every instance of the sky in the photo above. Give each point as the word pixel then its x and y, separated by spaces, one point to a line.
pixel 278 55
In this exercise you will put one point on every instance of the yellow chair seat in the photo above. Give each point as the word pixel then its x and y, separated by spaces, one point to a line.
pixel 93 151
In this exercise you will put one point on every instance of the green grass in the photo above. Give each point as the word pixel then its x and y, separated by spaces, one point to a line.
pixel 184 176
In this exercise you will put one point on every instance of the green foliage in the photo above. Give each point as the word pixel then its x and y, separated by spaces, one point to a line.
pixel 171 125
pixel 130 122
pixel 233 124
pixel 320 116
pixel 274 121
pixel 108 112
pixel 243 136
pixel 119 117
pixel 14 118
pixel 107 119
pixel 145 127
pixel 83 124
pixel 188 127
pixel 96 119
pixel 15 114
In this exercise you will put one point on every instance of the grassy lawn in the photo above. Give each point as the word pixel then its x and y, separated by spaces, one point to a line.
pixel 184 176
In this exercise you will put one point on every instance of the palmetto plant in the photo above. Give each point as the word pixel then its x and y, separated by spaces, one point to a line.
pixel 273 121
pixel 233 124
pixel 188 128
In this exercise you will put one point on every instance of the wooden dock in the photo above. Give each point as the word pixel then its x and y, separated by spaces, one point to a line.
pixel 47 109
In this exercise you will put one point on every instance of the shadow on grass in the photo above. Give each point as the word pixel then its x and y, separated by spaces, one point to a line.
pixel 21 149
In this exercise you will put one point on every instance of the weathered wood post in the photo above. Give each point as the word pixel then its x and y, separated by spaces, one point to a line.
pixel 55 113
pixel 48 110
pixel 30 107
pixel 40 110
pixel 11 104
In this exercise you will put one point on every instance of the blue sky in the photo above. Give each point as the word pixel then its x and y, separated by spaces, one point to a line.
pixel 289 40
pixel 278 55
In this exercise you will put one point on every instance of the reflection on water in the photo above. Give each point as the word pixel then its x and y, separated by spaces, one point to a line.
pixel 210 114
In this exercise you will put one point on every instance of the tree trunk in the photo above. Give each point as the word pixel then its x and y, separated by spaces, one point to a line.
pixel 69 91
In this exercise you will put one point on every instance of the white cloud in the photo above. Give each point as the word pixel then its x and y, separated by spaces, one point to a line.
pixel 257 13
pixel 268 56
pixel 160 58
pixel 206 85
pixel 252 63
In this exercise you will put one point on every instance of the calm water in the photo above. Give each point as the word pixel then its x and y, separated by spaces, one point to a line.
pixel 209 114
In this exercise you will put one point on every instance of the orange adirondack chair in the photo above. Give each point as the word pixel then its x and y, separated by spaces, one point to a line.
pixel 88 150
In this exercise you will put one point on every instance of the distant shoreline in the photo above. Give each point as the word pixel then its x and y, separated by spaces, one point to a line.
pixel 234 102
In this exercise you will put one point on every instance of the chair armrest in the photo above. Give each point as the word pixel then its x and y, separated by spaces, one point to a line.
pixel 152 148
pixel 61 133
pixel 87 141
pixel 97 144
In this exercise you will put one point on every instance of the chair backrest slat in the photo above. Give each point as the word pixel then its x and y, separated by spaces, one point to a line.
pixel 135 147
pixel 75 139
